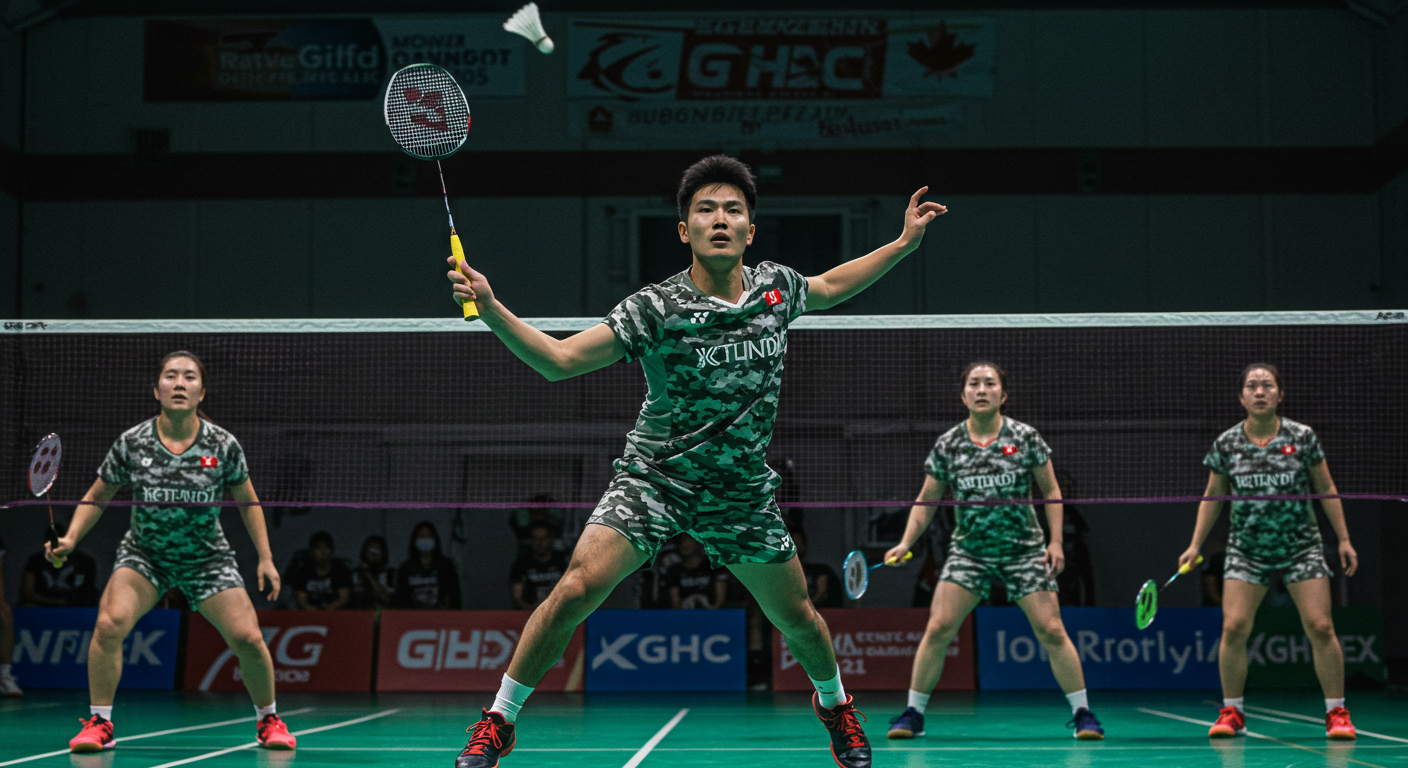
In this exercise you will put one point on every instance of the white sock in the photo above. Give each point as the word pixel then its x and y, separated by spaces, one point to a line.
pixel 830 692
pixel 510 699
pixel 1078 700
pixel 918 700
pixel 1237 702
pixel 104 712
pixel 1332 703
pixel 263 712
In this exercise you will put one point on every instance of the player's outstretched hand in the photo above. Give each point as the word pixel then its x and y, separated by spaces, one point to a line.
pixel 266 570
pixel 917 216
pixel 469 285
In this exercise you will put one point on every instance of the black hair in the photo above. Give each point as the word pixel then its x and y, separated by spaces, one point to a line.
pixel 1001 379
pixel 415 553
pixel 1268 367
pixel 717 169
pixel 200 366
pixel 321 537
pixel 375 539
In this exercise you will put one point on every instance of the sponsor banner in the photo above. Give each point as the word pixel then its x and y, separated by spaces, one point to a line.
pixel 1278 652
pixel 349 58
pixel 51 648
pixel 312 651
pixel 462 651
pixel 779 57
pixel 875 649
pixel 650 650
pixel 1179 650
pixel 815 122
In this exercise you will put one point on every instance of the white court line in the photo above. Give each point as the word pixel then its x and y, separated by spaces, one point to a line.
pixel 303 732
pixel 1321 722
pixel 58 752
pixel 1255 735
pixel 654 740
pixel 1267 717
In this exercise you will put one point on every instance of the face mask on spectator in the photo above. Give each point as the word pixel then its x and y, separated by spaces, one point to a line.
pixel 425 545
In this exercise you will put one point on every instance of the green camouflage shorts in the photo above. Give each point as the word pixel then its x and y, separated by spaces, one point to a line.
pixel 198 581
pixel 1021 575
pixel 1305 565
pixel 732 530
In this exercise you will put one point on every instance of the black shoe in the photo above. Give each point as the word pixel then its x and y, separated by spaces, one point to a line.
pixel 849 746
pixel 490 739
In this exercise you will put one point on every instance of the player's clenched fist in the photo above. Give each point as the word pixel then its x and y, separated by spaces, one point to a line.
pixel 474 288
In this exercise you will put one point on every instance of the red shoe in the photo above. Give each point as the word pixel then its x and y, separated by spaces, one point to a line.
pixel 96 736
pixel 849 746
pixel 490 739
pixel 1230 722
pixel 1337 725
pixel 273 734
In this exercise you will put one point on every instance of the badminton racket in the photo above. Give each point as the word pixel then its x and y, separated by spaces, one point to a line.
pixel 429 119
pixel 856 572
pixel 1146 604
pixel 43 469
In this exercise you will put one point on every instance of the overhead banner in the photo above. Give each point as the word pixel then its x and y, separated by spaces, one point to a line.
pixel 312 651
pixel 51 648
pixel 688 650
pixel 1278 652
pixel 298 59
pixel 461 651
pixel 1179 650
pixel 875 650
pixel 776 57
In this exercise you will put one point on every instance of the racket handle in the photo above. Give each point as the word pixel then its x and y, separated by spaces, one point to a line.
pixel 904 559
pixel 471 312
pixel 53 538
pixel 1189 566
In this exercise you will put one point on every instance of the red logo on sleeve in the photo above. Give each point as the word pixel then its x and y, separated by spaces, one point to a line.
pixel 773 297
pixel 209 461
pixel 1008 450
pixel 1288 449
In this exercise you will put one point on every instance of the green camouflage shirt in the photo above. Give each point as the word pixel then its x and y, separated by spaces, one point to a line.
pixel 713 370
pixel 1002 470
pixel 1269 530
pixel 201 474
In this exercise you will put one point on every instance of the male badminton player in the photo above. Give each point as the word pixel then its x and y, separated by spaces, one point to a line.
pixel 1270 455
pixel 990 456
pixel 711 340
pixel 178 455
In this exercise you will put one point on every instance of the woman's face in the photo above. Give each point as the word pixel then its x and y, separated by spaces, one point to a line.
pixel 425 540
pixel 982 392
pixel 180 387
pixel 373 554
pixel 1260 393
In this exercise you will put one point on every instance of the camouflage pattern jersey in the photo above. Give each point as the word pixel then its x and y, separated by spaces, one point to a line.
pixel 185 534
pixel 1001 470
pixel 713 370
pixel 1269 530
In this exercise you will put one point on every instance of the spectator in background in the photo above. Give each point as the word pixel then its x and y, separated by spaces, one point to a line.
pixel 8 687
pixel 823 588
pixel 324 583
pixel 535 574
pixel 374 580
pixel 1075 586
pixel 427 579
pixel 692 582
pixel 654 591
pixel 75 585
pixel 524 519
pixel 1212 579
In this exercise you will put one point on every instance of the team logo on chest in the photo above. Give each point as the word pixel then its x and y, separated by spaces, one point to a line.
pixel 1008 450
pixel 1289 450
pixel 209 462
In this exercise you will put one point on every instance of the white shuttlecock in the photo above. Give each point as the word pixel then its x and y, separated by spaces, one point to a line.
pixel 527 23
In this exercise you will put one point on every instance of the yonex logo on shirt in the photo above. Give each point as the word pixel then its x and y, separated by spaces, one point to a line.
pixel 978 482
pixel 699 317
pixel 768 346
pixel 1264 479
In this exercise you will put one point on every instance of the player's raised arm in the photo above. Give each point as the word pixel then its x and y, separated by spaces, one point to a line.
pixel 556 359
pixel 846 280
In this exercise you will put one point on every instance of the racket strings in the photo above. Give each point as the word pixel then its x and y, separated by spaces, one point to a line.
pixel 426 112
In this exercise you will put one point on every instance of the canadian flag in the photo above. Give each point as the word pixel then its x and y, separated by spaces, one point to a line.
pixel 773 297
pixel 209 461
pixel 1009 449
pixel 1288 449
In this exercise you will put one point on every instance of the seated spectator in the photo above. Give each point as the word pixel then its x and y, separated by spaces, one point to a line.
pixel 525 519
pixel 654 592
pixel 823 588
pixel 74 585
pixel 427 579
pixel 534 575
pixel 323 583
pixel 8 687
pixel 692 583
pixel 374 580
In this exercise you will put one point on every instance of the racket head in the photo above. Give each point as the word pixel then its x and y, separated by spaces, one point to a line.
pixel 856 574
pixel 426 112
pixel 44 465
pixel 1146 604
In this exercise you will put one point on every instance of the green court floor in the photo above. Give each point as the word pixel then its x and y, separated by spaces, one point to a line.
pixel 1145 729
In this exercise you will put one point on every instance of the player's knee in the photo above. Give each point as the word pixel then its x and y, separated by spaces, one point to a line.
pixel 1320 629
pixel 246 643
pixel 1050 633
pixel 1237 628
pixel 797 619
pixel 941 628
pixel 575 594
pixel 109 631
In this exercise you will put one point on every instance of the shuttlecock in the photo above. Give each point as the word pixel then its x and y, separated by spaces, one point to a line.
pixel 526 22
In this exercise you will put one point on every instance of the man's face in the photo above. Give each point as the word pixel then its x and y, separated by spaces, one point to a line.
pixel 540 541
pixel 718 225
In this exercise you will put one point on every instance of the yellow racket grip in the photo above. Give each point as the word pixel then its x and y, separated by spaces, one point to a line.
pixel 471 312
pixel 904 559
pixel 1190 565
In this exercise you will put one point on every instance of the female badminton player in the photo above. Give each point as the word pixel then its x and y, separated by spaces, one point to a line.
pixel 176 456
pixel 990 456
pixel 711 340
pixel 1270 455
